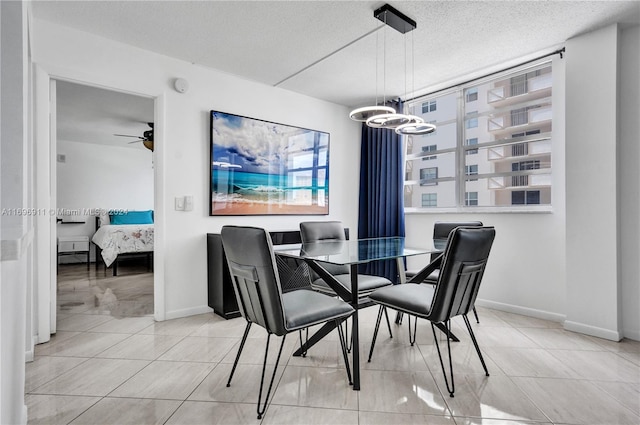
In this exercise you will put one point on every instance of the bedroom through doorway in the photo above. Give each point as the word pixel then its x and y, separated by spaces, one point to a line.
pixel 104 191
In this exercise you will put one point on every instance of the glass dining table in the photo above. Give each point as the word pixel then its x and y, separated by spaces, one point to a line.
pixel 352 253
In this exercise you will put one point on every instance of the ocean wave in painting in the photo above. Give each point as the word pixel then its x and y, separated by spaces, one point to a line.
pixel 222 198
pixel 237 186
pixel 259 189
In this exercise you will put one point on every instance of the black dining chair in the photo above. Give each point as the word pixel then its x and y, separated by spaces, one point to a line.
pixel 256 283
pixel 441 230
pixel 333 231
pixel 463 264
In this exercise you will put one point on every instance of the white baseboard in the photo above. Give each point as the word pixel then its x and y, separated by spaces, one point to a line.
pixel 25 416
pixel 525 311
pixel 635 335
pixel 592 330
pixel 176 314
pixel 30 355
pixel 560 318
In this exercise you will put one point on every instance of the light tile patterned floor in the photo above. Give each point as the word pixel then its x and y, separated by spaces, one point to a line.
pixel 105 368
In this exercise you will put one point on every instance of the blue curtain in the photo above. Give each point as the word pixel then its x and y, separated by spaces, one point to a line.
pixel 381 206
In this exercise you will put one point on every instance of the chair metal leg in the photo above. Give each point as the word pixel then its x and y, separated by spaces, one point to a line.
pixel 346 336
pixel 317 336
pixel 343 345
pixel 412 338
pixel 444 372
pixel 475 313
pixel 475 343
pixel 235 363
pixel 386 316
pixel 446 331
pixel 375 333
pixel 261 408
pixel 303 347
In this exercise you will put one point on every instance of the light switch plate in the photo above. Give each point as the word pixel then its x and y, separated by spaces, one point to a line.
pixel 188 202
pixel 179 203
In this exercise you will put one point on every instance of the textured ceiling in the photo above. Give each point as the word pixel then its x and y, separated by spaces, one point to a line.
pixel 321 48
pixel 272 41
pixel 93 115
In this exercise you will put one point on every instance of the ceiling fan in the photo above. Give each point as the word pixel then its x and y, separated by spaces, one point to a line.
pixel 146 138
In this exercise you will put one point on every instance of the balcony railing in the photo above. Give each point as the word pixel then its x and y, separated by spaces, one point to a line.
pixel 506 182
pixel 539 147
pixel 531 85
pixel 531 116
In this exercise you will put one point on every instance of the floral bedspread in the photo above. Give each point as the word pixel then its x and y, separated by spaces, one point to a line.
pixel 123 238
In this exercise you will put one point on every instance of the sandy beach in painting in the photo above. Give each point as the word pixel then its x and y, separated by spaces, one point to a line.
pixel 259 208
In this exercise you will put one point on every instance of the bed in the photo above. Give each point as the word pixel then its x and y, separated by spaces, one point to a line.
pixel 123 235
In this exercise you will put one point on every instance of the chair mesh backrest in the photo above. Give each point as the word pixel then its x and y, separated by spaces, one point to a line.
pixel 294 274
pixel 254 274
pixel 461 272
pixel 316 231
pixel 441 229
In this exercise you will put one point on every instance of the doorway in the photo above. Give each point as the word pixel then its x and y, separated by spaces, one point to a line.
pixel 104 167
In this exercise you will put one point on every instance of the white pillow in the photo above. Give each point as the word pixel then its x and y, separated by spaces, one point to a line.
pixel 103 218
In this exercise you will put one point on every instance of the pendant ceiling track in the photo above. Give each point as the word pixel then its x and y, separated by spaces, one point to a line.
pixel 382 116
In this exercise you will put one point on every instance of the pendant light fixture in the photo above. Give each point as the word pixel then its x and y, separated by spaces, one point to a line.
pixel 420 127
pixel 364 113
pixel 385 116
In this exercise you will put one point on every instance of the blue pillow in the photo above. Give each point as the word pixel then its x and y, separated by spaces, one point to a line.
pixel 133 217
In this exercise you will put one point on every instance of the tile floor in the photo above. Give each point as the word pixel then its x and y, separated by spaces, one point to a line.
pixel 105 368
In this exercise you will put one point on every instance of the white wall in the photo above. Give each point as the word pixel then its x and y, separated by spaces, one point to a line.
pixel 16 230
pixel 592 184
pixel 182 144
pixel 98 176
pixel 629 178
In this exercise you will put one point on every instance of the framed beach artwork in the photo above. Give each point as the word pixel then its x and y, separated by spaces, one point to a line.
pixel 265 168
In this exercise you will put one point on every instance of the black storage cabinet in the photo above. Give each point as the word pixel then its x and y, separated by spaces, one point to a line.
pixel 221 297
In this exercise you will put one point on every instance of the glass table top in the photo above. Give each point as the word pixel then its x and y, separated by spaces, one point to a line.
pixel 357 251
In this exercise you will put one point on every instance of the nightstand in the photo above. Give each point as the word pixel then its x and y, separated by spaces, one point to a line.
pixel 71 245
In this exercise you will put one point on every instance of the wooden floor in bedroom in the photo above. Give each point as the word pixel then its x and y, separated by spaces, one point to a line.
pixel 89 292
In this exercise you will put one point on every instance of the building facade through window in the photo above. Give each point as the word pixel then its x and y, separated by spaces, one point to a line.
pixel 492 147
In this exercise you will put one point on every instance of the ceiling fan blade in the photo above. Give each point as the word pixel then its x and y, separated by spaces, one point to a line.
pixel 135 141
pixel 128 135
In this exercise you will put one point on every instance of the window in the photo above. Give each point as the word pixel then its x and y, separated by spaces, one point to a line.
pixel 526 133
pixel 429 106
pixel 519 149
pixel 472 94
pixel 427 175
pixel 471 199
pixel 518 85
pixel 471 170
pixel 519 116
pixel 471 122
pixel 522 149
pixel 523 166
pixel 471 142
pixel 525 197
pixel 429 200
pixel 493 147
pixel 430 148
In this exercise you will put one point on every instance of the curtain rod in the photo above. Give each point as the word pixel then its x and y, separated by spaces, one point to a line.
pixel 557 52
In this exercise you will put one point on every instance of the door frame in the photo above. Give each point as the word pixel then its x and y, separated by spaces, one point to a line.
pixel 45 181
